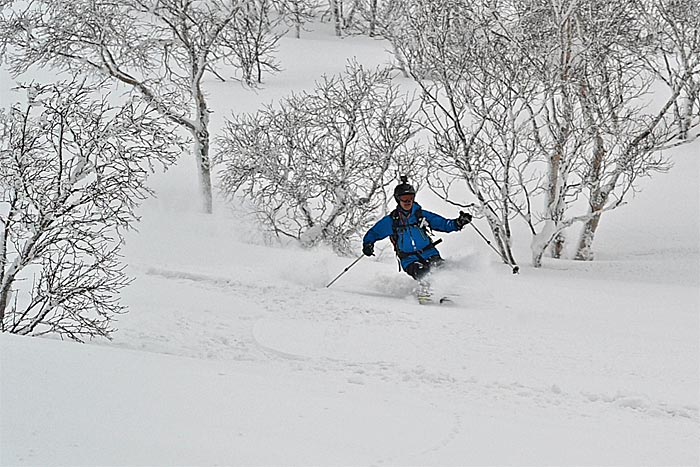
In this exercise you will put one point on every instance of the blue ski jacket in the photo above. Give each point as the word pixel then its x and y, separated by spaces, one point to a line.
pixel 410 238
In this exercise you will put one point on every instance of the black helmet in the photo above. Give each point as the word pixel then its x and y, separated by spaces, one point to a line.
pixel 403 188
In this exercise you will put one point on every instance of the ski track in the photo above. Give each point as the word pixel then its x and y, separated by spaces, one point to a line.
pixel 284 301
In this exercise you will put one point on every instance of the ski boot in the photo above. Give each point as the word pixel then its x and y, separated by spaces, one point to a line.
pixel 423 293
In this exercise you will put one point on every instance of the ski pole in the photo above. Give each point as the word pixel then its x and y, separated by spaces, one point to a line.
pixel 516 268
pixel 344 271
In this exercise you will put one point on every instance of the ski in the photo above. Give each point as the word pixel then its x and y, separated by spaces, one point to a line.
pixel 429 300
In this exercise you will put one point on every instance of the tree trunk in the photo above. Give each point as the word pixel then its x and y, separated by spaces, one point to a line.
pixel 3 264
pixel 201 148
pixel 335 9
pixel 4 301
pixel 555 203
pixel 585 250
pixel 681 119
pixel 599 197
pixel 501 236
pixel 372 17
pixel 559 161
pixel 599 194
pixel 25 256
pixel 297 21
pixel 685 115
pixel 557 247
pixel 540 242
pixel 554 208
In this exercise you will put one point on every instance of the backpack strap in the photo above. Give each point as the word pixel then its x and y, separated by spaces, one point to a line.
pixel 397 228
pixel 396 225
pixel 394 237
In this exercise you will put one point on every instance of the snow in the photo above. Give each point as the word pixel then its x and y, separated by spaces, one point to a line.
pixel 235 353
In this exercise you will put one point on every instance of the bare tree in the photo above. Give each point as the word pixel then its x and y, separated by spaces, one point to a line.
pixel 343 14
pixel 475 105
pixel 254 42
pixel 72 170
pixel 162 49
pixel 316 168
pixel 297 13
pixel 628 125
pixel 336 11
pixel 672 30
pixel 598 131
pixel 372 14
pixel 545 34
pixel 533 98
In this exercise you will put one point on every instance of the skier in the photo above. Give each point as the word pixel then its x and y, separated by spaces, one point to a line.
pixel 407 226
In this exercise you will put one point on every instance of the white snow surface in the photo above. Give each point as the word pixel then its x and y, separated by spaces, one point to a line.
pixel 235 353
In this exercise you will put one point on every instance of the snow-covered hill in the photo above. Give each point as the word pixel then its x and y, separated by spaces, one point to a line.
pixel 235 352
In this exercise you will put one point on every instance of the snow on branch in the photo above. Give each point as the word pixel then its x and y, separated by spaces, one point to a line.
pixel 159 49
pixel 72 170
pixel 548 104
pixel 316 167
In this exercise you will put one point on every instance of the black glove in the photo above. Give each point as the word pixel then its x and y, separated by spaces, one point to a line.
pixel 368 249
pixel 463 219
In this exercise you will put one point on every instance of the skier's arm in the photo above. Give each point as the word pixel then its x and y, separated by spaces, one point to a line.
pixel 379 231
pixel 439 223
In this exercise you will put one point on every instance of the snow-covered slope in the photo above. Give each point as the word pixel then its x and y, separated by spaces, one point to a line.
pixel 235 353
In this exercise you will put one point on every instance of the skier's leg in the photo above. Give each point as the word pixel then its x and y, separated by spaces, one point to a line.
pixel 435 263
pixel 419 271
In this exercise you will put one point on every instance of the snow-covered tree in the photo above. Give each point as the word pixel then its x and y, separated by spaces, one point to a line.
pixel 546 35
pixel 316 167
pixel 543 98
pixel 601 128
pixel 162 49
pixel 297 13
pixel 672 27
pixel 627 121
pixel 72 170
pixel 343 14
pixel 254 42
pixel 475 105
pixel 360 16
pixel 371 13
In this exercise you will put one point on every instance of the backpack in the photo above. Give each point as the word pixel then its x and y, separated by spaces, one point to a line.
pixel 397 228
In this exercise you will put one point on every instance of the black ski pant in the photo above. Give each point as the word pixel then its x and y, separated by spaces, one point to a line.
pixel 422 267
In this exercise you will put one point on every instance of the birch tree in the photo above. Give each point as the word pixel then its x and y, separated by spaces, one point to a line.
pixel 474 105
pixel 499 104
pixel 343 14
pixel 336 12
pixel 371 15
pixel 673 29
pixel 577 73
pixel 72 170
pixel 161 49
pixel 599 129
pixel 627 121
pixel 317 166
pixel 360 16
pixel 253 41
pixel 297 13
pixel 546 35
